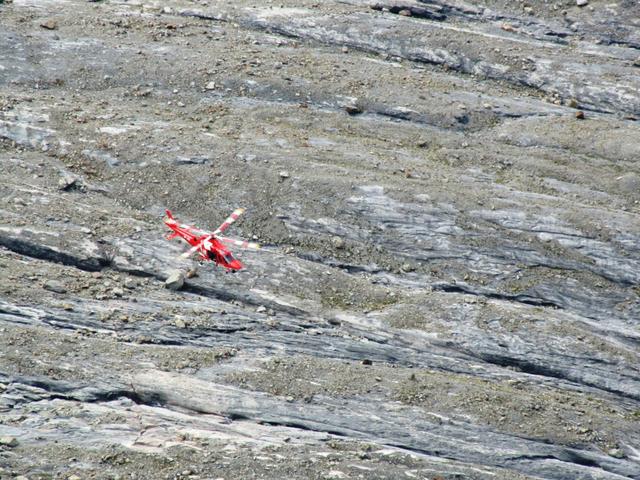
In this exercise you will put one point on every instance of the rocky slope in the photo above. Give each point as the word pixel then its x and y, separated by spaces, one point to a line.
pixel 449 197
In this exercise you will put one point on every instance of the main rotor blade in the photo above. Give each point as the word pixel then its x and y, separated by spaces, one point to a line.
pixel 170 220
pixel 240 243
pixel 230 219
pixel 190 252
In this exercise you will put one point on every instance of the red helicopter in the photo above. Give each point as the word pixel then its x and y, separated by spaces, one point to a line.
pixel 210 245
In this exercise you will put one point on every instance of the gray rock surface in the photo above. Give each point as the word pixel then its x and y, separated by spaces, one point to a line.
pixel 450 280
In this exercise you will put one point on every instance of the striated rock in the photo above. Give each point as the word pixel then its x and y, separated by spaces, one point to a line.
pixel 508 351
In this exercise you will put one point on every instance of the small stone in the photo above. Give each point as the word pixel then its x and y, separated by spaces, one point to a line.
pixel 210 86
pixel 74 477
pixel 55 286
pixel 261 309
pixel 130 284
pixel 573 103
pixel 175 280
pixel 636 62
pixel 49 24
pixel 68 182
pixel 195 160
pixel 353 109
pixel 616 453
pixel 580 115
pixel 338 242
pixel 180 323
pixel 67 306
pixel 629 183
pixel 9 441
pixel 366 361
pixel 345 50
pixel 405 12
pixel 100 156
pixel 407 267
pixel 284 174
pixel 582 3
pixel 117 292
pixel 192 272
pixel 336 475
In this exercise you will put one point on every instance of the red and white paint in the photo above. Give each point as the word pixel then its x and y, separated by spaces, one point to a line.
pixel 210 246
